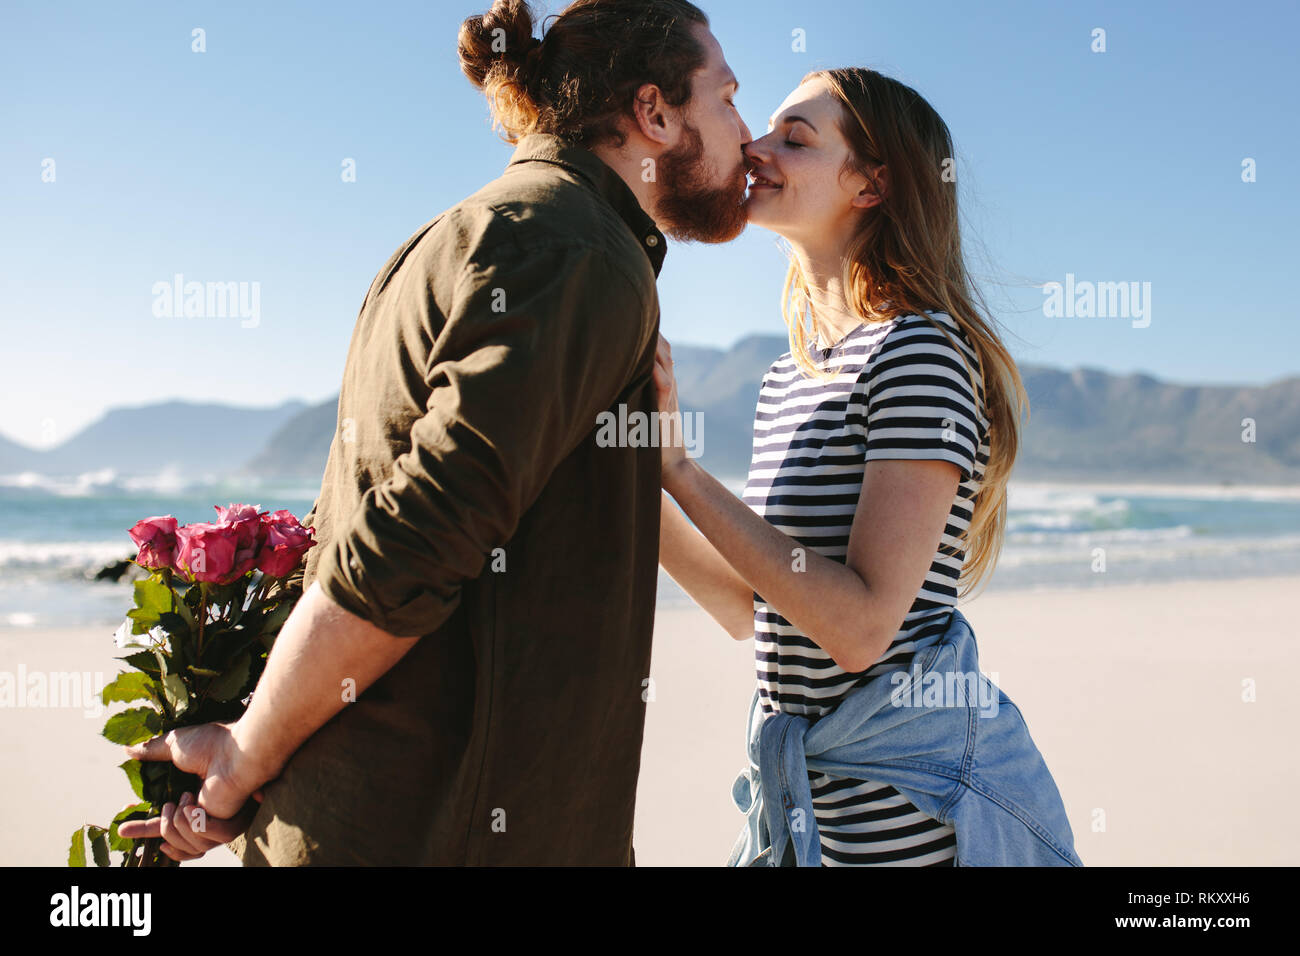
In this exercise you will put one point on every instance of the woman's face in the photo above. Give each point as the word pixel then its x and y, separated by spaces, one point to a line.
pixel 797 185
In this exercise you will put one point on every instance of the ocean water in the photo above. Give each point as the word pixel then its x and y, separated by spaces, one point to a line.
pixel 1086 535
pixel 56 533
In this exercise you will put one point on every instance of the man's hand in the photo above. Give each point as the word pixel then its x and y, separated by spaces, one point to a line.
pixel 320 647
pixel 223 809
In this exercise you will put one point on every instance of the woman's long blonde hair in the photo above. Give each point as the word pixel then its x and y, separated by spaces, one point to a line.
pixel 905 258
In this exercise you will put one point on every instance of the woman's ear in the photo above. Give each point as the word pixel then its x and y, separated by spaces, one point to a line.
pixel 873 190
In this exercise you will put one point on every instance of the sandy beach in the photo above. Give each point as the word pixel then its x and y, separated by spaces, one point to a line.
pixel 1139 698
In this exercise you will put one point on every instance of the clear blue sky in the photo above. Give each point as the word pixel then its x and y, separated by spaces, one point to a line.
pixel 225 166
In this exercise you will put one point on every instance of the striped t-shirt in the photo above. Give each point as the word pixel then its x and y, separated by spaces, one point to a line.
pixel 900 391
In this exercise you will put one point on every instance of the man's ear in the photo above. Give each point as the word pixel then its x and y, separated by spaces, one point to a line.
pixel 874 190
pixel 652 117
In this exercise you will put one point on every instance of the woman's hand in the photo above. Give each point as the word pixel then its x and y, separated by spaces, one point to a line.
pixel 671 442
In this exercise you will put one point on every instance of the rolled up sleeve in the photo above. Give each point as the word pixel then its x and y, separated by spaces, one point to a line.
pixel 537 343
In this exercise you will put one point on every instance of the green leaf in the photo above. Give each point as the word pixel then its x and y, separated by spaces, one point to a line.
pixel 183 611
pixel 126 813
pixel 132 770
pixel 181 649
pixel 98 845
pixel 152 600
pixel 215 636
pixel 203 671
pixel 178 781
pixel 133 726
pixel 130 686
pixel 227 644
pixel 178 695
pixel 144 661
pixel 154 776
pixel 153 596
pixel 77 848
pixel 229 684
pixel 117 842
pixel 276 617
pixel 175 625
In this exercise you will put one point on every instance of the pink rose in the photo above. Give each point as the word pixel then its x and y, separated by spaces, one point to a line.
pixel 240 516
pixel 286 542
pixel 282 516
pixel 250 535
pixel 206 552
pixel 156 539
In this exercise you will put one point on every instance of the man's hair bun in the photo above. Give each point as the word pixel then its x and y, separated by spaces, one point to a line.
pixel 579 81
pixel 500 41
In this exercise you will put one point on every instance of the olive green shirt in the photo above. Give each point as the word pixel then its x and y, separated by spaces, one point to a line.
pixel 468 504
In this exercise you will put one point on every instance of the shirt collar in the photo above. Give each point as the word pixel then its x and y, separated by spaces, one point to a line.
pixel 548 148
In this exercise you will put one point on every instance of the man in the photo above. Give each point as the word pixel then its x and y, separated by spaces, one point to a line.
pixel 484 582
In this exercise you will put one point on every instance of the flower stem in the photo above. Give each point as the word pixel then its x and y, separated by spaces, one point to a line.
pixel 203 615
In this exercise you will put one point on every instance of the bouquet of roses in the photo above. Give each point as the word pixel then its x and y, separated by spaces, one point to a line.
pixel 203 623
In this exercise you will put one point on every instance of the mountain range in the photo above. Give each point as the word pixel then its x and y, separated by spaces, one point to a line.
pixel 192 437
pixel 1084 424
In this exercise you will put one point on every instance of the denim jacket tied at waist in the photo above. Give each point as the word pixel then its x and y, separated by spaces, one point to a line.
pixel 938 731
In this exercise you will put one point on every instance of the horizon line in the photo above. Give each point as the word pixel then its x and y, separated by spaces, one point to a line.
pixel 333 396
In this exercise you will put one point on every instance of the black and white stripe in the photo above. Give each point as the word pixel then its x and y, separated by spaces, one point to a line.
pixel 900 391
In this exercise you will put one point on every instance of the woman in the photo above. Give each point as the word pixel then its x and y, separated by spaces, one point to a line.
pixel 881 449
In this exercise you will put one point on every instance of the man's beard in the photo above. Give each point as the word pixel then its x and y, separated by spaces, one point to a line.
pixel 691 210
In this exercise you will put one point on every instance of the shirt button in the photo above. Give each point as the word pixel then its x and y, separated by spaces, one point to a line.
pixel 652 241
